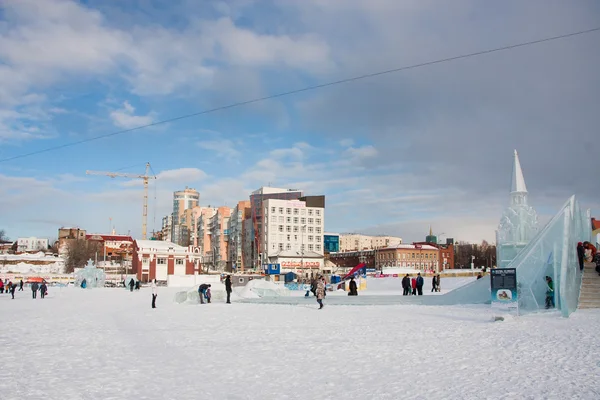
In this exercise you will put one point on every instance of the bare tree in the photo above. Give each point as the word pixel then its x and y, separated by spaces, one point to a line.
pixel 79 252
pixel 3 237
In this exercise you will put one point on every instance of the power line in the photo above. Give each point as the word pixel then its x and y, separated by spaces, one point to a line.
pixel 305 89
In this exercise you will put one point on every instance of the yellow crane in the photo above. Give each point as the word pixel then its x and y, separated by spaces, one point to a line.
pixel 146 177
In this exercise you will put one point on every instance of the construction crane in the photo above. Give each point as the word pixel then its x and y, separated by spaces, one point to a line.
pixel 146 177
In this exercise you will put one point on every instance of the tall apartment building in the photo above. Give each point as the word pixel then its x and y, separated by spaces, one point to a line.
pixel 256 204
pixel 183 200
pixel 293 235
pixel 167 228
pixel 357 242
pixel 237 235
pixel 219 237
pixel 204 232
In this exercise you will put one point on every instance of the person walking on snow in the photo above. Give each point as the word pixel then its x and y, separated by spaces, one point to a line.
pixel 420 283
pixel 34 289
pixel 580 255
pixel 12 291
pixel 228 288
pixel 43 290
pixel 434 284
pixel 131 285
pixel 320 292
pixel 405 285
pixel 21 285
pixel 154 293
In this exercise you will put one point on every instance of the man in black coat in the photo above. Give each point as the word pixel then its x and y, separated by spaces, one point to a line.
pixel 228 288
pixel 580 254
pixel 353 289
pixel 406 285
pixel 420 283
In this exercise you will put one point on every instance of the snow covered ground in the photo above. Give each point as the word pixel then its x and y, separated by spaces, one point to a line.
pixel 109 344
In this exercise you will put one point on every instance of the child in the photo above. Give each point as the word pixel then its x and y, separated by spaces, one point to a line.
pixel 207 294
pixel 549 293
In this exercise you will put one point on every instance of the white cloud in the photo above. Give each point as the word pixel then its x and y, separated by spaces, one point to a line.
pixel 361 153
pixel 219 148
pixel 125 117
pixel 182 175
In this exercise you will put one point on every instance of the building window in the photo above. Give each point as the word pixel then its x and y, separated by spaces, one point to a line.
pixel 281 219
pixel 288 228
pixel 310 238
pixel 288 211
pixel 280 228
pixel 318 247
pixel 295 228
pixel 161 261
pixel 179 261
pixel 273 210
pixel 295 211
pixel 289 237
pixel 310 247
pixel 318 212
pixel 318 229
pixel 288 247
pixel 310 220
pixel 288 220
pixel 317 238
pixel 296 238
pixel 310 229
pixel 303 220
pixel 318 221
pixel 280 246
pixel 310 212
pixel 295 220
pixel 145 261
pixel 302 212
pixel 280 210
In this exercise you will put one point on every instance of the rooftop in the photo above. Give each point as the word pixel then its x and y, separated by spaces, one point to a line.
pixel 159 245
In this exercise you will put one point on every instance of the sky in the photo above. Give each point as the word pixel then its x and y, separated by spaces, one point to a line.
pixel 393 154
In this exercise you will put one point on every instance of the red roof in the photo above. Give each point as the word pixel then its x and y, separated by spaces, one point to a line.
pixel 595 224
pixel 109 238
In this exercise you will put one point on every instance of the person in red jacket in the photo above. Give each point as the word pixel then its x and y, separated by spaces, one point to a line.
pixel 413 284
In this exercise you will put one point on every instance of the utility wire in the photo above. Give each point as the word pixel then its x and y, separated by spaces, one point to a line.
pixel 305 89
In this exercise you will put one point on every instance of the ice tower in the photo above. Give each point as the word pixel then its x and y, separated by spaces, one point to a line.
pixel 519 222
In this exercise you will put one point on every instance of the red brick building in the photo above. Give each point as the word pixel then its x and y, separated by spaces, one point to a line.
pixel 156 259
pixel 446 254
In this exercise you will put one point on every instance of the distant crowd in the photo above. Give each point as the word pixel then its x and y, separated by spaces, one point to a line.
pixel 9 287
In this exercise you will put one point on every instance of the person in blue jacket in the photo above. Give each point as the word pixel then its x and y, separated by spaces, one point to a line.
pixel 420 283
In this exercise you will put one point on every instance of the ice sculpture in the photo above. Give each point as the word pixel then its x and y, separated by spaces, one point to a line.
pixel 553 253
pixel 93 277
pixel 519 222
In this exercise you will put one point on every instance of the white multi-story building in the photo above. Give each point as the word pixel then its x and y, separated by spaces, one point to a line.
pixel 294 232
pixel 32 244
pixel 358 242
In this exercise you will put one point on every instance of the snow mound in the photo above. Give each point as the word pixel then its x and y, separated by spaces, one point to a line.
pixel 25 268
pixel 260 288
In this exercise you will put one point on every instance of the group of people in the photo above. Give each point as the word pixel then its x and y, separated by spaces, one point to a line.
pixel 414 286
pixel 9 287
pixel 204 291
pixel 588 252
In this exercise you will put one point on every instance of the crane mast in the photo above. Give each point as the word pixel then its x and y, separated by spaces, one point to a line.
pixel 146 177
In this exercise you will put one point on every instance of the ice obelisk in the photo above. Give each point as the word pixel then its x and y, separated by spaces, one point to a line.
pixel 519 222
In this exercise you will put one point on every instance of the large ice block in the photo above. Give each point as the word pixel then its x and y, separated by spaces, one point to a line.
pixel 93 277
pixel 519 222
pixel 553 252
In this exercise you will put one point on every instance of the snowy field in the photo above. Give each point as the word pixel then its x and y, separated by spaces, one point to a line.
pixel 109 344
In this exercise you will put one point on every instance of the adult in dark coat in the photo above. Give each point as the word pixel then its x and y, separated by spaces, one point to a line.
pixel 34 289
pixel 228 288
pixel 353 289
pixel 202 291
pixel 131 285
pixel 21 285
pixel 43 290
pixel 580 254
pixel 419 285
pixel 406 285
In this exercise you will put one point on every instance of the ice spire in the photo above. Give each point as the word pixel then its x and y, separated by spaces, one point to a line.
pixel 518 182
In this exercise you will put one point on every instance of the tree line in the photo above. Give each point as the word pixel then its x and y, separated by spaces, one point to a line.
pixel 484 253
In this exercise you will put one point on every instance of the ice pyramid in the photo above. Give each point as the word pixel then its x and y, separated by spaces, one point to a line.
pixel 553 252
pixel 519 222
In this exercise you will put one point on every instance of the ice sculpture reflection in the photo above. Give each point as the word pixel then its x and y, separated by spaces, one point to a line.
pixel 519 222
pixel 90 276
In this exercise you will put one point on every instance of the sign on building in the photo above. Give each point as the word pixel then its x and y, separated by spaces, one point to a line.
pixel 503 283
